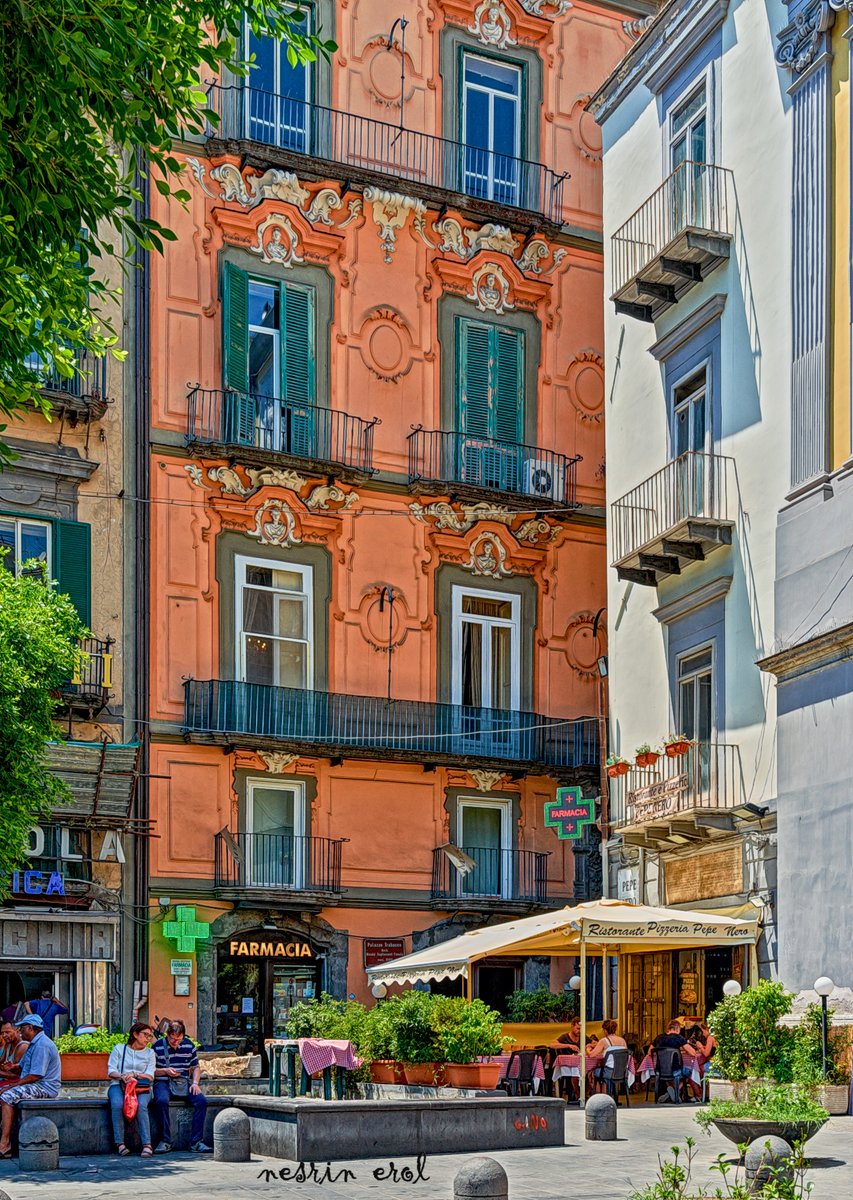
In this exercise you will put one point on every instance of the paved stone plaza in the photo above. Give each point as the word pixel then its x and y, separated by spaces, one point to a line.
pixel 582 1170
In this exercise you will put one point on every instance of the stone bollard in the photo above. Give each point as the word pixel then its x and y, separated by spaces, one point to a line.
pixel 600 1119
pixel 232 1136
pixel 481 1179
pixel 767 1159
pixel 38 1145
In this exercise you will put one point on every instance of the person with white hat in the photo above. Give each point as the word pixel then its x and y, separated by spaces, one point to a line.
pixel 41 1076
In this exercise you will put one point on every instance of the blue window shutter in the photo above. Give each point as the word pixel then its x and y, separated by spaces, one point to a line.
pixel 72 565
pixel 298 369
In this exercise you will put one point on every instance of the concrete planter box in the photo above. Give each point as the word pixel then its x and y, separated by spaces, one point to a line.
pixel 835 1098
pixel 724 1089
pixel 84 1066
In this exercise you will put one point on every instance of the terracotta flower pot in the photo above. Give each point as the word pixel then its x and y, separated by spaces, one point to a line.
pixel 386 1070
pixel 647 760
pixel 676 749
pixel 473 1075
pixel 616 769
pixel 424 1074
pixel 84 1066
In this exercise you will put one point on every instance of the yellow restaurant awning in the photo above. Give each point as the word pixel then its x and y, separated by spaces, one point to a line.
pixel 614 924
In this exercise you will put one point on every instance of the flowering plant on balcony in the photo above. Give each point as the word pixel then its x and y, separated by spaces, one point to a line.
pixel 676 744
pixel 617 766
pixel 645 756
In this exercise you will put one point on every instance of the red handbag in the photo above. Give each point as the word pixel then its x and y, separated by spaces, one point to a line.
pixel 131 1103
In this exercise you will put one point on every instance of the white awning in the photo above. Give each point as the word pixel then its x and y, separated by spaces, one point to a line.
pixel 614 924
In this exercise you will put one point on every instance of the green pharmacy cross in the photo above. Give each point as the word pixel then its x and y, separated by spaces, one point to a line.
pixel 569 813
pixel 186 929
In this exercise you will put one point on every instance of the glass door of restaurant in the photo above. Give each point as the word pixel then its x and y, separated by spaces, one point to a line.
pixel 648 996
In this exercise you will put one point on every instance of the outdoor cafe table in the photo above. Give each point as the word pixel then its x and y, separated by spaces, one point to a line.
pixel 697 1068
pixel 508 1072
pixel 569 1066
pixel 316 1055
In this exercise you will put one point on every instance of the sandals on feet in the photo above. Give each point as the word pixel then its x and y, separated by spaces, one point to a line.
pixel 146 1152
pixel 123 1150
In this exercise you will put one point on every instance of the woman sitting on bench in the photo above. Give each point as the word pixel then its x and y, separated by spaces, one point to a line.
pixel 132 1061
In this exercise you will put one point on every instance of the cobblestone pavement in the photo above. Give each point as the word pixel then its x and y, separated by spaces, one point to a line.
pixel 578 1171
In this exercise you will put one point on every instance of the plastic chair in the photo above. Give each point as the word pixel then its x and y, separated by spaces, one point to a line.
pixel 614 1073
pixel 524 1078
pixel 667 1061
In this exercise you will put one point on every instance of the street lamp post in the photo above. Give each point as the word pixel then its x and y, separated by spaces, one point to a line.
pixel 824 988
pixel 732 988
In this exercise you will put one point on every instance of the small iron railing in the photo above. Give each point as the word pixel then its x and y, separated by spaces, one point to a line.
pixel 412 729
pixel 708 776
pixel 93 673
pixel 519 875
pixel 278 862
pixel 281 427
pixel 695 196
pixel 88 383
pixel 378 147
pixel 694 486
pixel 436 456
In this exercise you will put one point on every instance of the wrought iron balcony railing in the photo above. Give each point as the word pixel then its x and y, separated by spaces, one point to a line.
pixel 705 781
pixel 679 513
pixel 485 464
pixel 278 862
pixel 89 687
pixel 519 876
pixel 280 428
pixel 367 726
pixel 675 238
pixel 82 396
pixel 369 147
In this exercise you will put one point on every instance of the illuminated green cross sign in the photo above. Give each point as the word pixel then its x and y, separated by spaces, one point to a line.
pixel 186 929
pixel 569 813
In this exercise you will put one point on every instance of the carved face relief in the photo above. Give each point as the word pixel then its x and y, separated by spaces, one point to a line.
pixel 492 25
pixel 277 241
pixel 275 525
pixel 490 289
pixel 487 557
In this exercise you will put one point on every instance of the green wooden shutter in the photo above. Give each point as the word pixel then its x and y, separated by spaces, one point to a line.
pixel 473 378
pixel 297 369
pixel 508 404
pixel 72 564
pixel 238 410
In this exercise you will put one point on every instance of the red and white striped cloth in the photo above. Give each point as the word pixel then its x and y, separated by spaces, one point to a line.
pixel 319 1053
pixel 569 1066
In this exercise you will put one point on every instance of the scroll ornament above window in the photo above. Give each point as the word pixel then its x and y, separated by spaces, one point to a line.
pixel 801 40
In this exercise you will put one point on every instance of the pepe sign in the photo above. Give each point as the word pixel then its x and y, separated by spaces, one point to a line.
pixel 569 813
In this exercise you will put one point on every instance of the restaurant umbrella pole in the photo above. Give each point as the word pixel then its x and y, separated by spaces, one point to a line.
pixel 582 1046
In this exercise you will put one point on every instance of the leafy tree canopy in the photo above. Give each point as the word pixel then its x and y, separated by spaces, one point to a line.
pixel 88 89
pixel 38 632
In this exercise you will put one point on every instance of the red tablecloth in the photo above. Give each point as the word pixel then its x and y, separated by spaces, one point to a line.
pixel 696 1065
pixel 319 1053
pixel 569 1065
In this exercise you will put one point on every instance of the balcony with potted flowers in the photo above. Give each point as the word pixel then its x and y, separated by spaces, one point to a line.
pixel 683 793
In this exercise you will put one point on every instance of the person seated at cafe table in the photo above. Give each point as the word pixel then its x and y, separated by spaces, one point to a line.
pixel 674 1039
pixel 609 1040
pixel 569 1042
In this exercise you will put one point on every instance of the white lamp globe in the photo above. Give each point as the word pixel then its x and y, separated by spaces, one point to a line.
pixel 732 988
pixel 575 983
pixel 379 990
pixel 824 986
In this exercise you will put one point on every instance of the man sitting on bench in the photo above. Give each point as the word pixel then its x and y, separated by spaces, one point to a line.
pixel 41 1077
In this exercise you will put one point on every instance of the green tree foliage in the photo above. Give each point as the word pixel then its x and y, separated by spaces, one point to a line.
pixel 38 632
pixel 88 90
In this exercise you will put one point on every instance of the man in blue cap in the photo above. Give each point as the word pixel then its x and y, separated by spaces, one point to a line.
pixel 41 1077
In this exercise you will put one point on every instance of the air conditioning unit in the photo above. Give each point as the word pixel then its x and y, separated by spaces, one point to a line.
pixel 545 478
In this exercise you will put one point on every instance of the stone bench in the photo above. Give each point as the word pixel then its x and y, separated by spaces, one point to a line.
pixel 85 1128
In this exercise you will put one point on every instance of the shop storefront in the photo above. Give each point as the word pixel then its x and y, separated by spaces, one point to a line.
pixel 260 975
pixel 676 983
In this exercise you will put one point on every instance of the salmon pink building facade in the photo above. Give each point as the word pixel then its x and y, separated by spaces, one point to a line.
pixel 377 554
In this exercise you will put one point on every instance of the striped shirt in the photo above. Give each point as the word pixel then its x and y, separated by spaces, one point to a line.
pixel 183 1058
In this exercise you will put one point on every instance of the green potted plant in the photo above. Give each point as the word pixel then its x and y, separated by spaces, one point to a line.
pixel 645 756
pixel 752 1047
pixel 617 766
pixel 418 1042
pixel 830 1090
pixel 676 744
pixel 84 1056
pixel 476 1032
pixel 380 1044
pixel 774 1110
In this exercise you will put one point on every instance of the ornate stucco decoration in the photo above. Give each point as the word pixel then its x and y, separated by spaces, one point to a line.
pixel 585 378
pixel 535 252
pixel 486 780
pixel 465 243
pixel 390 210
pixel 275 525
pixel 277 241
pixel 800 40
pixel 490 289
pixel 487 557
pixel 259 477
pixel 326 494
pixel 373 620
pixel 586 132
pixel 250 190
pixel 326 201
pixel 276 761
pixel 636 28
pixel 445 518
pixel 491 237
pixel 385 345
pixel 534 7
pixel 493 25
pixel 582 650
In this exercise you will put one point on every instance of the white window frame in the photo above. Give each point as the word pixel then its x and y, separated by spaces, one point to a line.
pixel 679 659
pixel 270 331
pixel 705 79
pixel 705 365
pixel 491 93
pixel 513 623
pixel 241 562
pixel 506 846
pixel 16 555
pixel 297 789
pixel 309 81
